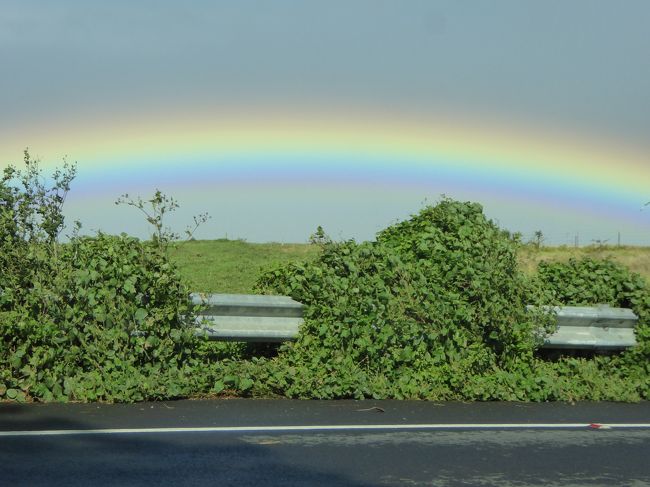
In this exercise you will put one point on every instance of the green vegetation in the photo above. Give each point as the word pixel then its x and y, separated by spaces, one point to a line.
pixel 99 318
pixel 433 309
pixel 435 301
pixel 233 266
pixel 637 259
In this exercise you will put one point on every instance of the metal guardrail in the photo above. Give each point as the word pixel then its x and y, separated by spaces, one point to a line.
pixel 597 328
pixel 248 317
pixel 259 318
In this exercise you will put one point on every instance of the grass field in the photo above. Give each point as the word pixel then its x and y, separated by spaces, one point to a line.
pixel 232 266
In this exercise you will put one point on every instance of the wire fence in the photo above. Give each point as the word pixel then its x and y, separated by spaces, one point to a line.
pixel 586 239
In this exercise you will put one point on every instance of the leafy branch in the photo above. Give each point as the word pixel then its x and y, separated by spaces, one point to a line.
pixel 154 211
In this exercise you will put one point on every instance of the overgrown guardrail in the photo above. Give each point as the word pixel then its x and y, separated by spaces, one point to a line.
pixel 261 318
pixel 592 327
pixel 248 317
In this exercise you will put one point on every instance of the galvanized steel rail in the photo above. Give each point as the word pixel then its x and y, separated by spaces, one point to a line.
pixel 261 318
pixel 248 317
pixel 592 327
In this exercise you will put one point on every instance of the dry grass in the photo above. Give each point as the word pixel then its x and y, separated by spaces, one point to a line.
pixel 636 259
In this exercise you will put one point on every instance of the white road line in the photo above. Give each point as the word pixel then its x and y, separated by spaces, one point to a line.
pixel 346 427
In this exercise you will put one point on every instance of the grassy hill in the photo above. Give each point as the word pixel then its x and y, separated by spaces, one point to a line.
pixel 232 266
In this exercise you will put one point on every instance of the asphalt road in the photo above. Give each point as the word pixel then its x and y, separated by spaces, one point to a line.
pixel 281 442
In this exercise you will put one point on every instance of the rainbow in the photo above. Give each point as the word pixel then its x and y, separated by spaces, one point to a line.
pixel 203 151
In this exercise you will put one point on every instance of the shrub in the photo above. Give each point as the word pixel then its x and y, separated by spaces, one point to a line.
pixel 434 309
pixel 434 300
pixel 98 318
pixel 589 282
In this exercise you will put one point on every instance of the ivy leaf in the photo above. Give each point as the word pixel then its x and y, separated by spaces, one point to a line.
pixel 140 315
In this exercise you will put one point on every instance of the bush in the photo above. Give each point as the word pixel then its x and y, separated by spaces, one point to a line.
pixel 434 309
pixel 435 300
pixel 590 282
pixel 98 318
